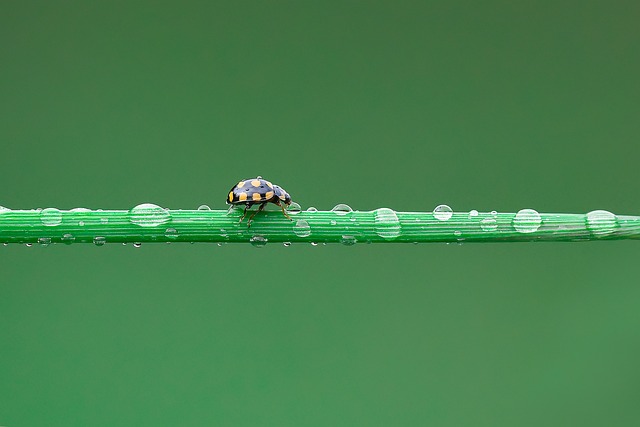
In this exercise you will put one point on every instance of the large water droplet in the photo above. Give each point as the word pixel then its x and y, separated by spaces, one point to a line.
pixel 341 209
pixel 293 208
pixel 4 210
pixel 302 228
pixel 258 241
pixel 171 233
pixel 99 240
pixel 442 213
pixel 204 208
pixel 527 221
pixel 489 224
pixel 149 215
pixel 51 217
pixel 44 241
pixel 348 240
pixel 387 224
pixel 601 223
pixel 68 238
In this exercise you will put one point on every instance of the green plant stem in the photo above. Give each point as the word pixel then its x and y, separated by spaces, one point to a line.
pixel 151 223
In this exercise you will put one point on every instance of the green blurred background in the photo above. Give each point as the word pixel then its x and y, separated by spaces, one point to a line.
pixel 480 105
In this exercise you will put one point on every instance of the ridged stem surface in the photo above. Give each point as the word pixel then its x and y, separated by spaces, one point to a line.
pixel 151 223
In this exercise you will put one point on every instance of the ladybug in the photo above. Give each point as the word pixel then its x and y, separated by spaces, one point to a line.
pixel 253 191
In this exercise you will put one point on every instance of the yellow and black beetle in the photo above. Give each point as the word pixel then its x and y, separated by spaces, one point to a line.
pixel 249 192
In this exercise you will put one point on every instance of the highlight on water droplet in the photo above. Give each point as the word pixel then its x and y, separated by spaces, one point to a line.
pixel 293 208
pixel 68 238
pixel 81 223
pixel 99 240
pixel 601 223
pixel 44 241
pixel 527 221
pixel 302 228
pixel 489 224
pixel 204 208
pixel 348 240
pixel 258 241
pixel 51 217
pixel 387 224
pixel 473 213
pixel 341 209
pixel 443 213
pixel 171 233
pixel 149 215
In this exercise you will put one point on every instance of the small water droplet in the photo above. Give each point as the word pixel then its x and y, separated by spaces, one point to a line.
pixel 489 224
pixel 81 223
pixel 293 208
pixel 204 208
pixel 137 244
pixel 601 222
pixel 341 209
pixel 44 241
pixel 442 213
pixel 312 209
pixel 458 233
pixel 51 217
pixel 171 233
pixel 286 244
pixel 473 213
pixel 28 244
pixel 527 221
pixel 68 238
pixel 149 215
pixel 314 243
pixel 258 241
pixel 494 213
pixel 104 220
pixel 302 228
pixel 387 224
pixel 348 240
pixel 333 222
pixel 219 244
pixel 99 240
pixel 80 210
pixel 5 244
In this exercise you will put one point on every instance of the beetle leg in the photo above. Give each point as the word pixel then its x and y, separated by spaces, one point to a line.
pixel 283 211
pixel 247 206
pixel 254 214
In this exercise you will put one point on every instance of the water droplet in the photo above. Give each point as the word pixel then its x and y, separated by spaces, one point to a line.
pixel 68 238
pixel 5 244
pixel 4 210
pixel 341 209
pixel 104 220
pixel 494 213
pixel 137 244
pixel 527 221
pixel 442 213
pixel 302 228
pixel 44 241
pixel 219 244
pixel 601 223
pixel 81 223
pixel 333 222
pixel 473 213
pixel 293 208
pixel 258 241
pixel 457 233
pixel 348 240
pixel 28 244
pixel 312 209
pixel 171 233
pixel 204 208
pixel 80 210
pixel 489 224
pixel 314 243
pixel 149 215
pixel 51 217
pixel 286 244
pixel 387 224
pixel 99 240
